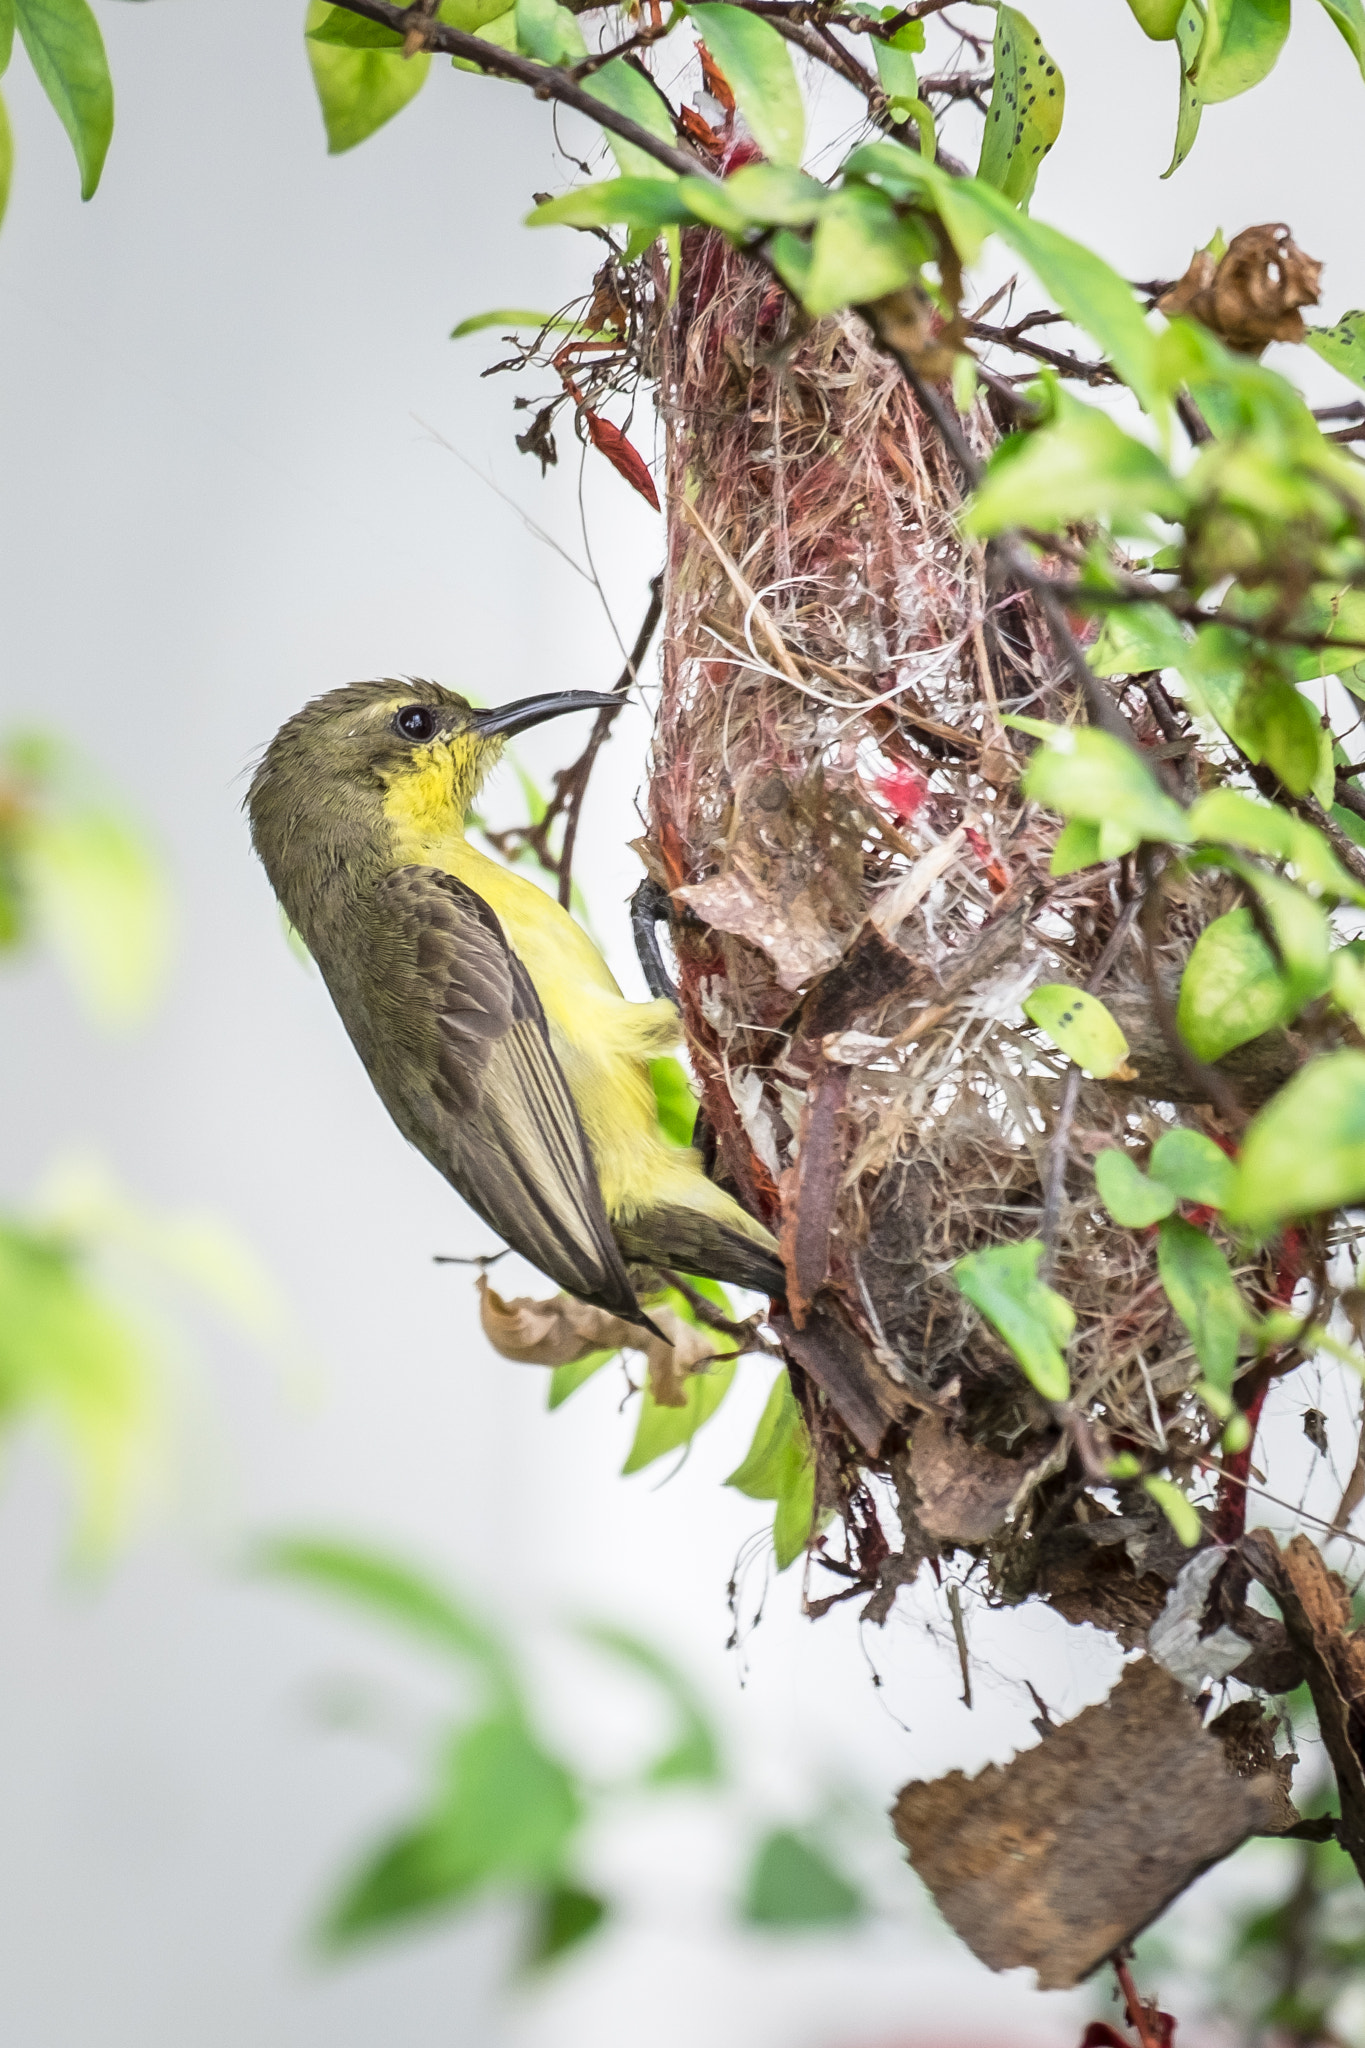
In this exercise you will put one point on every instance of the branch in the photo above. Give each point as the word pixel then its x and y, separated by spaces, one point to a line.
pixel 546 81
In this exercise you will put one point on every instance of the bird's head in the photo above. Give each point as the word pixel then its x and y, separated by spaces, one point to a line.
pixel 370 762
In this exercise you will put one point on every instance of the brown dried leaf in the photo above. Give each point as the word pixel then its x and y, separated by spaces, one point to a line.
pixel 560 1330
pixel 1070 1849
pixel 964 1490
pixel 1253 295
pixel 1317 1617
pixel 792 882
pixel 791 933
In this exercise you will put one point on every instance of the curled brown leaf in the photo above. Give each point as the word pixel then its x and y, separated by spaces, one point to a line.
pixel 1252 296
pixel 561 1330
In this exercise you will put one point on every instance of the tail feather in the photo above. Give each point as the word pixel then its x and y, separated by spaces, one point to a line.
pixel 688 1241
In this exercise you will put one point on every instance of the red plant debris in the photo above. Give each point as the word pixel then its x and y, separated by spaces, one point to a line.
pixel 626 460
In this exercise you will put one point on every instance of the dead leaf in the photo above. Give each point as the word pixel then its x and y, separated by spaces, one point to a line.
pixel 1071 1849
pixel 1252 296
pixel 964 1490
pixel 1317 1617
pixel 1181 1637
pixel 792 879
pixel 560 1330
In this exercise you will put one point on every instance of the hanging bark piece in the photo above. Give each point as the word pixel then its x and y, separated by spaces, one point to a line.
pixel 1317 1616
pixel 964 1490
pixel 1071 1849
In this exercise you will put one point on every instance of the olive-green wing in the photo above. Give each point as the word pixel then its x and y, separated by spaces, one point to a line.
pixel 483 1094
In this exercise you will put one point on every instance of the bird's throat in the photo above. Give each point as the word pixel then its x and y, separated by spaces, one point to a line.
pixel 425 806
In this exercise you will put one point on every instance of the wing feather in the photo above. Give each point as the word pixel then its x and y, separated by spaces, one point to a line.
pixel 475 1083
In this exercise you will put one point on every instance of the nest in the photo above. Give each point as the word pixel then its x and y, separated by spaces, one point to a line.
pixel 864 900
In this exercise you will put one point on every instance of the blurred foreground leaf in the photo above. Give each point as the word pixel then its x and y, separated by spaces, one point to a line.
pixel 794 1884
pixel 75 874
pixel 694 1758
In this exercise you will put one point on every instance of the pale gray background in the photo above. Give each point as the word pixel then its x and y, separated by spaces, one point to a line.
pixel 217 499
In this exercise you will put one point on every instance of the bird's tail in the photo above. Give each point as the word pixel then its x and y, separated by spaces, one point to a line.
pixel 689 1241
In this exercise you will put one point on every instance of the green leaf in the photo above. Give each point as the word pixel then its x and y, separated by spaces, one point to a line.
pixel 504 316
pixel 1193 1167
pixel 907 175
pixel 359 89
pixel 567 1379
pixel 660 1429
pixel 674 1100
pixel 1078 846
pixel 1087 774
pixel 1348 984
pixel 1349 16
pixel 1232 989
pixel 694 1755
pixel 1228 817
pixel 1305 1151
pixel 650 203
pixel 6 34
pixel 1082 285
pixel 758 65
pixel 6 158
pixel 1136 639
pixel 1200 1288
pixel 793 1884
pixel 1157 18
pixel 1178 1509
pixel 503 1815
pixel 1299 927
pixel 1081 465
pixel 1342 344
pixel 1189 34
pixel 1080 1025
pixel 627 91
pixel 479 17
pixel 1242 39
pixel 65 1354
pixel 1284 730
pixel 900 82
pixel 1034 1321
pixel 411 1875
pixel 1025 116
pixel 393 1591
pixel 100 900
pixel 1131 1199
pixel 860 251
pixel 549 33
pixel 564 1916
pixel 66 50
pixel 772 195
pixel 780 1466
pixel 352 32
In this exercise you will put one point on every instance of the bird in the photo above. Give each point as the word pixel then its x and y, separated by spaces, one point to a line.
pixel 487 1019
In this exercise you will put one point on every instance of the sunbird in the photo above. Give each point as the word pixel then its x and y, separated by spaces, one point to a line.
pixel 490 1024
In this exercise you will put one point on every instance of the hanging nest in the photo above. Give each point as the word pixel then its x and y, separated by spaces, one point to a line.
pixel 861 899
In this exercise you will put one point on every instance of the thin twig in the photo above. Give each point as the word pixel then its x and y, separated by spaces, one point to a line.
pixel 960 1638
pixel 572 789
pixel 1138 2011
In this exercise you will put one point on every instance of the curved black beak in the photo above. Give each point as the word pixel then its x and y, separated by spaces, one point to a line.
pixel 502 720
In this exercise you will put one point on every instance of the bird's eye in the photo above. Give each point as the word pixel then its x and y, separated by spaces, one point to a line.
pixel 416 722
